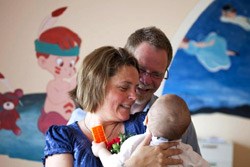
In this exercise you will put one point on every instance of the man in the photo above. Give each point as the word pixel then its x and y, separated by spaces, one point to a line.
pixel 153 51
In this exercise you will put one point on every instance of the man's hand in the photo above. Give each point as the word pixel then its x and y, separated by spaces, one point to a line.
pixel 157 156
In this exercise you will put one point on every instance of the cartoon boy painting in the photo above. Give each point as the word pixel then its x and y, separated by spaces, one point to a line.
pixel 57 51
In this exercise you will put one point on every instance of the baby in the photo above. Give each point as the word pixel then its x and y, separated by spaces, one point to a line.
pixel 167 120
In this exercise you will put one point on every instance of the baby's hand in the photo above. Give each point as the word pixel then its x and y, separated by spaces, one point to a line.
pixel 97 147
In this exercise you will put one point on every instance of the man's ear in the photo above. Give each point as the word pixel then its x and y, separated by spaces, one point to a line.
pixel 41 62
pixel 145 122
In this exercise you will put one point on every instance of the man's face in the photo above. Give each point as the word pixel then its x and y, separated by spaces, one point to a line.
pixel 153 63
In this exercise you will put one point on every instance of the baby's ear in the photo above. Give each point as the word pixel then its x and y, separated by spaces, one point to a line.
pixel 145 122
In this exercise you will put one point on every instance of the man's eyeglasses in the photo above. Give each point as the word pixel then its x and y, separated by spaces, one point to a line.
pixel 155 75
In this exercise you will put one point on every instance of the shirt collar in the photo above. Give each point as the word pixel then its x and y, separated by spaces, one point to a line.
pixel 152 100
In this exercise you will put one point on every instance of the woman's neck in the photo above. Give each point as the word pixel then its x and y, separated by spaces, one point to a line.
pixel 111 128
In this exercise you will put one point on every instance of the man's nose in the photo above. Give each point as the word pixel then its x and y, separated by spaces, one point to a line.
pixel 146 79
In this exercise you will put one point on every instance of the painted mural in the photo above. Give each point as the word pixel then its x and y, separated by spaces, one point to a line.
pixel 24 118
pixel 211 66
pixel 210 71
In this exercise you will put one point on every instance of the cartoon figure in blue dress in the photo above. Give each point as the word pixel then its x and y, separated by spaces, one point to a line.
pixel 212 52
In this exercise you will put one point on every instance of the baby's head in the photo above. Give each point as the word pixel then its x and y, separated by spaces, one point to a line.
pixel 169 117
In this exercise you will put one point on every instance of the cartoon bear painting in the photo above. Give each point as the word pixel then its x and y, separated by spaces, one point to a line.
pixel 8 113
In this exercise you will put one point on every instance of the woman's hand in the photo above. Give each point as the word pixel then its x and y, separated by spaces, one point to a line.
pixel 157 156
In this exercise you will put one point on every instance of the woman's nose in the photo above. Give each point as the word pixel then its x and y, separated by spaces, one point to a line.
pixel 132 95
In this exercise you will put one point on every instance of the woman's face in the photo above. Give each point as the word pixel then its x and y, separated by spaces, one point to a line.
pixel 120 94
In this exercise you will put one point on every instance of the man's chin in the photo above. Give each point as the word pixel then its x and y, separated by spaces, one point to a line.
pixel 143 98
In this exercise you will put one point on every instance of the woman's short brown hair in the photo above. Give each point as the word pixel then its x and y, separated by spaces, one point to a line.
pixel 95 71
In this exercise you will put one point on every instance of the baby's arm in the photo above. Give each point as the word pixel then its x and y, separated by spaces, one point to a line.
pixel 100 150
pixel 107 159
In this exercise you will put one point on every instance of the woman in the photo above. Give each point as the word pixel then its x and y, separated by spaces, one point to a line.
pixel 107 81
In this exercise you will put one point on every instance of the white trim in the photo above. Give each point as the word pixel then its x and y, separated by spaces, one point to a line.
pixel 182 31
